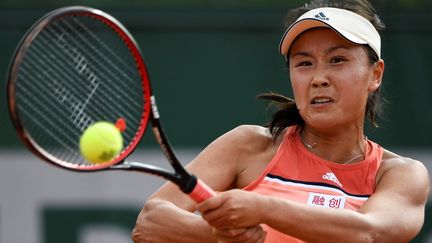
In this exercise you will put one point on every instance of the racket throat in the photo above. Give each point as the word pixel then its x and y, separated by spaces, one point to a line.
pixel 182 179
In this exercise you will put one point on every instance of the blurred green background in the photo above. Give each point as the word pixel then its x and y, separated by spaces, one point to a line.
pixel 209 59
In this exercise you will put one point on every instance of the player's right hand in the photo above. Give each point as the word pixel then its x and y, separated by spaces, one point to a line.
pixel 254 234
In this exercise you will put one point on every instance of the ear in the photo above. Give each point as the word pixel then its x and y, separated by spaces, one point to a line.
pixel 377 75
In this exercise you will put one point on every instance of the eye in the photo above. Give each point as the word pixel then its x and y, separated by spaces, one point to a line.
pixel 337 59
pixel 303 64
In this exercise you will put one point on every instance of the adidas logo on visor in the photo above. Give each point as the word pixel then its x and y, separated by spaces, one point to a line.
pixel 321 16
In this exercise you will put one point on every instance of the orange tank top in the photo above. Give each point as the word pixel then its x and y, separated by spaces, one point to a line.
pixel 296 174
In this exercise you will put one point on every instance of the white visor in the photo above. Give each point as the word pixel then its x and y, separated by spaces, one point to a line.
pixel 348 24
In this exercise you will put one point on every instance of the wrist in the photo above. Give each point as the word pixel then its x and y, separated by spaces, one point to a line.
pixel 263 208
pixel 267 208
pixel 203 232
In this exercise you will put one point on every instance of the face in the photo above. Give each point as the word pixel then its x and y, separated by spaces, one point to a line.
pixel 331 78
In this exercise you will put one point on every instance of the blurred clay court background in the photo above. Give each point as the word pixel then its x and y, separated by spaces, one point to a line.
pixel 207 60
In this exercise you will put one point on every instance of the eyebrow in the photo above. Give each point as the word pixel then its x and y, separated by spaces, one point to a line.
pixel 334 48
pixel 328 51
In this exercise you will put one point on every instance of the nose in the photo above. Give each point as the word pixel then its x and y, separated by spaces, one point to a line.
pixel 320 79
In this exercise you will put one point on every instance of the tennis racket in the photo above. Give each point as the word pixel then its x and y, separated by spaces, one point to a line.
pixel 76 66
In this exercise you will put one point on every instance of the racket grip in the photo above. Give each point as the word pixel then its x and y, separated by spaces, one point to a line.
pixel 201 192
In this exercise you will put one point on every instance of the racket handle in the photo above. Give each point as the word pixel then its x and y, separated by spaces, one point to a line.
pixel 201 192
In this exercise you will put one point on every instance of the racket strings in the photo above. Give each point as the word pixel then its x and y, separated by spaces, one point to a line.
pixel 66 91
pixel 125 88
pixel 62 93
pixel 112 68
pixel 37 110
pixel 39 123
pixel 52 75
pixel 120 60
pixel 100 69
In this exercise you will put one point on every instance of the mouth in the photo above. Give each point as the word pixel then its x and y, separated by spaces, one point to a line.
pixel 320 100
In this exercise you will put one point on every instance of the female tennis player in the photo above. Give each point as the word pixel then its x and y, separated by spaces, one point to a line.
pixel 312 175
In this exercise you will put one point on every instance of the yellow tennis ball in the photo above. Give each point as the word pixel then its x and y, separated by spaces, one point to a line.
pixel 101 142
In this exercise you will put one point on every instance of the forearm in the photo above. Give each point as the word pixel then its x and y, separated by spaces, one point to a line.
pixel 161 221
pixel 316 224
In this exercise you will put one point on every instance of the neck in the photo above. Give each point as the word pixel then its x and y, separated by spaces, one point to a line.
pixel 344 148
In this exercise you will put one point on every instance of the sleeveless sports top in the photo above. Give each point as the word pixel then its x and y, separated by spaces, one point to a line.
pixel 296 174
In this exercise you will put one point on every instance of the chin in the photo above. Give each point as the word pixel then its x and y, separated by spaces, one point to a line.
pixel 323 124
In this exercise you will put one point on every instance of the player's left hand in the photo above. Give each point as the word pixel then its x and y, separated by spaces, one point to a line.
pixel 233 209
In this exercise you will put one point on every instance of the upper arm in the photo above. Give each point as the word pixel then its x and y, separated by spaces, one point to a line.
pixel 218 165
pixel 396 209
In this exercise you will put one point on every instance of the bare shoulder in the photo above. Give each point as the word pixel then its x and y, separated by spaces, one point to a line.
pixel 251 137
pixel 248 149
pixel 406 173
pixel 248 131
pixel 235 158
pixel 248 144
pixel 392 160
pixel 258 149
pixel 240 143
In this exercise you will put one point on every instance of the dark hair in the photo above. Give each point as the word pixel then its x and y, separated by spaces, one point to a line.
pixel 287 113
